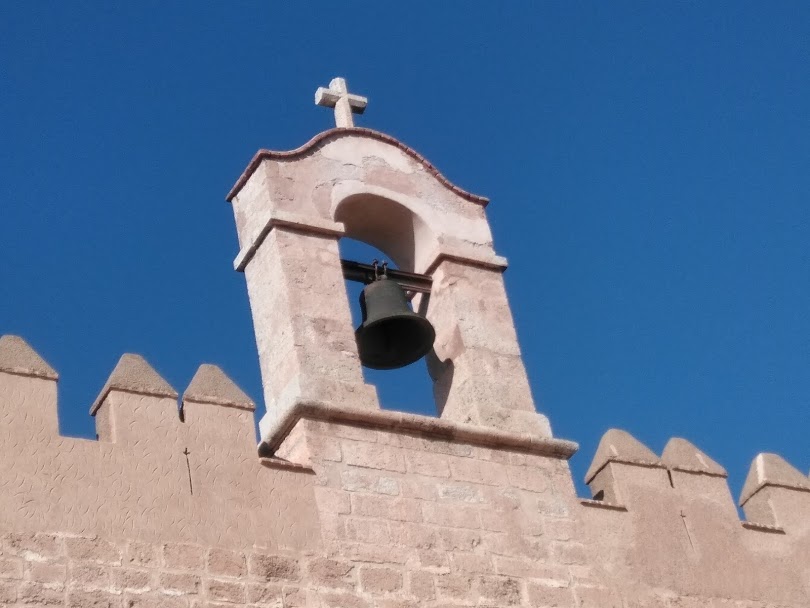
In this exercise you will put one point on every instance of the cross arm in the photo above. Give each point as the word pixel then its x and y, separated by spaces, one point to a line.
pixel 329 98
pixel 326 97
pixel 358 103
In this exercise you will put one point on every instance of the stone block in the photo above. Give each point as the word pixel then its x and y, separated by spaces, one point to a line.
pixel 377 554
pixel 597 597
pixel 142 554
pixel 222 562
pixel 552 575
pixel 397 509
pixel 451 515
pixel 569 553
pixel 477 471
pixel 459 539
pixel 93 550
pixel 471 563
pixel 34 547
pixel 11 568
pixel 92 599
pixel 132 580
pixel 363 481
pixel 154 600
pixel 262 594
pixel 8 592
pixel 421 584
pixel 529 479
pixel 500 590
pixel 427 463
pixel 373 455
pixel 413 535
pixel 460 493
pixel 380 580
pixel 39 594
pixel 333 501
pixel 368 530
pixel 274 567
pixel 546 596
pixel 336 599
pixel 331 573
pixel 233 592
pixel 51 574
pixel 457 587
pixel 179 584
pixel 515 545
pixel 178 556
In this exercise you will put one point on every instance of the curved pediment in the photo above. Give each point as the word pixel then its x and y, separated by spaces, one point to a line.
pixel 320 140
pixel 366 185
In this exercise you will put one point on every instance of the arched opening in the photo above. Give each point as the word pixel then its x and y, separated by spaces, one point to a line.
pixel 388 225
pixel 382 229
pixel 409 388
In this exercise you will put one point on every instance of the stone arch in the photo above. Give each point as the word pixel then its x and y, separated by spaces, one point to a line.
pixel 392 226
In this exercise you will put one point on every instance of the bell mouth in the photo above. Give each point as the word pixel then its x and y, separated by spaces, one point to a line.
pixel 395 341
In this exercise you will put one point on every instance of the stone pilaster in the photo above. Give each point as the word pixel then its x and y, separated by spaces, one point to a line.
pixel 478 371
pixel 303 325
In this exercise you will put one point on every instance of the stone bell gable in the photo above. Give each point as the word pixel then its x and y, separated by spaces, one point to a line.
pixel 345 504
pixel 291 209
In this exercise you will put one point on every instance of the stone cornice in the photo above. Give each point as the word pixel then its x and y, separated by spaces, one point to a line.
pixel 331 134
pixel 311 225
pixel 425 426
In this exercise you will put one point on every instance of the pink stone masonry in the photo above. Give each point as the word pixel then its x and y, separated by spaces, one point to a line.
pixel 347 505
pixel 381 510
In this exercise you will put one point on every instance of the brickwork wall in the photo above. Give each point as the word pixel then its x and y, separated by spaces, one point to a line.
pixel 408 520
pixel 75 571
pixel 434 522
pixel 371 510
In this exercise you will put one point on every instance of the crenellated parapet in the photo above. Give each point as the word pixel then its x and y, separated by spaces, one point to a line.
pixel 134 401
pixel 165 470
pixel 28 390
pixel 370 506
pixel 673 519
pixel 622 465
pixel 777 494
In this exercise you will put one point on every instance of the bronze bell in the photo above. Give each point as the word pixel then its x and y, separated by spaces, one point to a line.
pixel 391 334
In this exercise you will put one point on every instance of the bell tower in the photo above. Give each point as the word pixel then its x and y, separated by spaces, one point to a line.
pixel 291 210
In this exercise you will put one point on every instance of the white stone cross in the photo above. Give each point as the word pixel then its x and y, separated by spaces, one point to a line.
pixel 337 96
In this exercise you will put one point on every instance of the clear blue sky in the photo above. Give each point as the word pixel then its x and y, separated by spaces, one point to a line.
pixel 647 165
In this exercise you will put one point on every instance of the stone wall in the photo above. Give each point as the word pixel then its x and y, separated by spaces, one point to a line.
pixel 361 508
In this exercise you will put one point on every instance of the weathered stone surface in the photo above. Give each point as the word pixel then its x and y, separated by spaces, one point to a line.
pixel 772 470
pixel 681 455
pixel 382 193
pixel 337 96
pixel 133 374
pixel 211 385
pixel 17 357
pixel 620 446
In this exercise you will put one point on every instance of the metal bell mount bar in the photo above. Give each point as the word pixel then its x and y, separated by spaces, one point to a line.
pixel 366 273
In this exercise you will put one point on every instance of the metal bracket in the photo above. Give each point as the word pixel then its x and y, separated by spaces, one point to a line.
pixel 364 273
